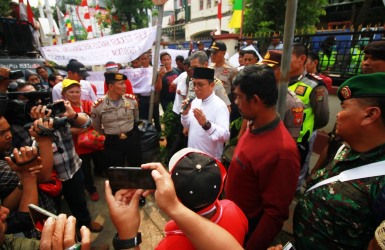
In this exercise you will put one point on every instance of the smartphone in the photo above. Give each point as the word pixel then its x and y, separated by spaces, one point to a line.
pixel 289 246
pixel 130 178
pixel 39 216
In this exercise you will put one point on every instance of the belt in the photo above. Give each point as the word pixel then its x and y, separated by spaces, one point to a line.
pixel 124 135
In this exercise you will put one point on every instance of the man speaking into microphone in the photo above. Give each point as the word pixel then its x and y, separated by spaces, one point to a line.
pixel 207 117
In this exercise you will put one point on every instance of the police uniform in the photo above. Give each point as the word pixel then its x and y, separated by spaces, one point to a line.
pixel 219 90
pixel 294 114
pixel 313 93
pixel 117 120
pixel 226 74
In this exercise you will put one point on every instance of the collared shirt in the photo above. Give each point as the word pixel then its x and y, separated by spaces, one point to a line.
pixel 66 161
pixel 210 141
pixel 226 74
pixel 114 120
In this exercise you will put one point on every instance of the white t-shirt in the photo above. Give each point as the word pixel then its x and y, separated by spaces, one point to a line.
pixel 181 86
pixel 86 89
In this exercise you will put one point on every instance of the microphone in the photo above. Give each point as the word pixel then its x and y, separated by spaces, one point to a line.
pixel 190 99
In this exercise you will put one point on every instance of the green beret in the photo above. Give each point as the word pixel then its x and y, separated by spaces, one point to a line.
pixel 365 85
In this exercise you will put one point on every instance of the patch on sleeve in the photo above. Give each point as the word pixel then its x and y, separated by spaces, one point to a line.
pixel 300 90
pixel 320 93
pixel 297 115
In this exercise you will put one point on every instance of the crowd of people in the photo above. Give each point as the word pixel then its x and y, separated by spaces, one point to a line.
pixel 340 204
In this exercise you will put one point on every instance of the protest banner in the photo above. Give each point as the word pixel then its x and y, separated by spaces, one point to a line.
pixel 120 48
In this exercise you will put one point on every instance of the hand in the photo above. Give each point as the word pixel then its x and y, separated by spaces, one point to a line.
pixel 35 130
pixel 60 234
pixel 184 102
pixel 39 111
pixel 124 210
pixel 185 131
pixel 200 116
pixel 165 194
pixel 70 112
pixel 23 155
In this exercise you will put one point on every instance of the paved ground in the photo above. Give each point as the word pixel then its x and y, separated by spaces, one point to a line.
pixel 154 220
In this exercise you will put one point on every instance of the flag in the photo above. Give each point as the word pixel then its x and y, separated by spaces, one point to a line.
pixel 70 33
pixel 236 18
pixel 84 18
pixel 61 22
pixel 220 9
pixel 22 11
pixel 30 13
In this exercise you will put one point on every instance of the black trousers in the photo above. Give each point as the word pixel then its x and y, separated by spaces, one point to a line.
pixel 123 152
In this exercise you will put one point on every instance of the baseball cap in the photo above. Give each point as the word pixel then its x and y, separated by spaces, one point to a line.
pixel 218 46
pixel 75 66
pixel 376 49
pixel 272 58
pixel 68 82
pixel 198 178
pixel 361 86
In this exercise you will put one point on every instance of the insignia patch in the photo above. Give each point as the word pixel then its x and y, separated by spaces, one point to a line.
pixel 346 92
pixel 297 115
pixel 93 115
pixel 97 102
pixel 320 95
pixel 300 90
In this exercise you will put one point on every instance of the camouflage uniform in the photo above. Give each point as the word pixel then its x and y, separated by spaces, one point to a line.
pixel 339 215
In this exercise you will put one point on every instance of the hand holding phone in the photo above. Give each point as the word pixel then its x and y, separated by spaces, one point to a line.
pixel 130 178
pixel 39 216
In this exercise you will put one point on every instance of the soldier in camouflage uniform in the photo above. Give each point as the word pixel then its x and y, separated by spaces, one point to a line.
pixel 340 215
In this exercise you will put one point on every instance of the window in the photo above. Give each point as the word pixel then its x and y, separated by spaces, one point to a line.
pixel 208 4
pixel 200 4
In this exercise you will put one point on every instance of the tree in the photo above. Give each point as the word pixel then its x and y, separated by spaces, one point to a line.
pixel 269 15
pixel 129 14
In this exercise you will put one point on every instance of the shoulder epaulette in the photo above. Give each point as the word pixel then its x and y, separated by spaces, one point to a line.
pixel 314 77
pixel 97 102
pixel 217 81
pixel 130 96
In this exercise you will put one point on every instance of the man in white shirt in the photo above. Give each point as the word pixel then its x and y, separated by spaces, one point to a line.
pixel 76 71
pixel 182 82
pixel 207 117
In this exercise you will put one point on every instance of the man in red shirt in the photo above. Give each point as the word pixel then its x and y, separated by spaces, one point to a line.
pixel 263 174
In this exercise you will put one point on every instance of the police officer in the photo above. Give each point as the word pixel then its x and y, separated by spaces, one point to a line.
pixel 116 115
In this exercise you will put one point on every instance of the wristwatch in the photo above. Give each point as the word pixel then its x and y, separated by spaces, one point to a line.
pixel 125 244
pixel 207 125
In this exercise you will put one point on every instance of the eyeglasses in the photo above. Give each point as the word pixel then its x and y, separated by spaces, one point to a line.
pixel 199 85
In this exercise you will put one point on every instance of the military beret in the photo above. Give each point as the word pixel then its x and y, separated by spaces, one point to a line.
pixel 376 49
pixel 365 85
pixel 112 77
pixel 203 73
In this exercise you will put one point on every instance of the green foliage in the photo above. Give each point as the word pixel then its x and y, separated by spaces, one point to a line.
pixel 130 14
pixel 4 8
pixel 269 15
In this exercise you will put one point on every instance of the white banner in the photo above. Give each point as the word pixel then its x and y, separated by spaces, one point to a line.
pixel 140 79
pixel 120 48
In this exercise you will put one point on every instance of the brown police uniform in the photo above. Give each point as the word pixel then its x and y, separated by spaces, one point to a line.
pixel 293 114
pixel 117 120
pixel 226 74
